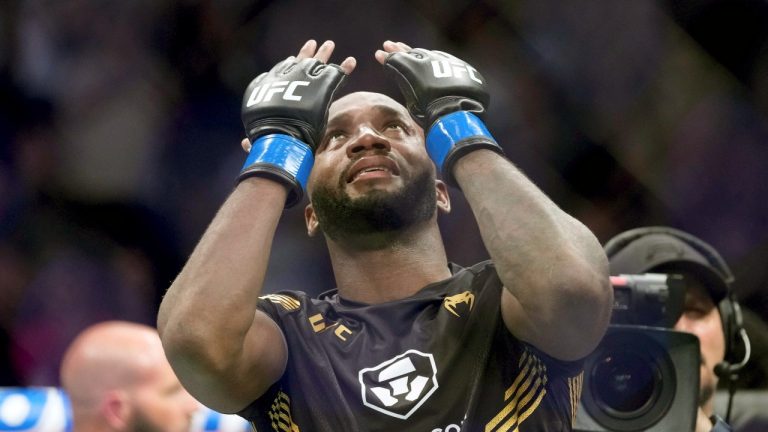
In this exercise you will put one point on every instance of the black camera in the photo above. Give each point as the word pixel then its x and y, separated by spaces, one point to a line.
pixel 643 376
pixel 651 299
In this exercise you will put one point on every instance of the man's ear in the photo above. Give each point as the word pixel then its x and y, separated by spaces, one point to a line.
pixel 443 200
pixel 310 219
pixel 116 409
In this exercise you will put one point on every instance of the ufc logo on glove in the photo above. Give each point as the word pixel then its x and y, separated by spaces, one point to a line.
pixel 449 69
pixel 264 93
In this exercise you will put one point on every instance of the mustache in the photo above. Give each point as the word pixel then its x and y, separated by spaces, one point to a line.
pixel 345 172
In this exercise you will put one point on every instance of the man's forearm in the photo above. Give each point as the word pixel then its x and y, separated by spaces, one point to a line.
pixel 213 299
pixel 550 262
pixel 522 228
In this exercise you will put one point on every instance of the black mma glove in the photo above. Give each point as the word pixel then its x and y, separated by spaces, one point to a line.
pixel 284 112
pixel 448 98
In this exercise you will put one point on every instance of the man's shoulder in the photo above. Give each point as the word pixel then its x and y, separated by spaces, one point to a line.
pixel 476 277
pixel 289 302
pixel 287 299
pixel 719 425
pixel 476 269
pixel 484 270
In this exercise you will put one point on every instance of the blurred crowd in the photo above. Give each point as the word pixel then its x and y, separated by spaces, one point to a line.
pixel 120 131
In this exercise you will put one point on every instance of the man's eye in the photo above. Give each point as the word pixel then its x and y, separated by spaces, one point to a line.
pixel 332 138
pixel 695 311
pixel 396 126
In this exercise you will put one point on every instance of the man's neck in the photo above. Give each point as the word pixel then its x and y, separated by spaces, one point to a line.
pixel 395 271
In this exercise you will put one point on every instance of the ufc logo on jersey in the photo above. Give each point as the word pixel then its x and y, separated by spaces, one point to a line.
pixel 449 69
pixel 264 93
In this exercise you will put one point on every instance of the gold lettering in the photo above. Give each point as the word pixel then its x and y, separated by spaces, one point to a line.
pixel 317 322
pixel 340 330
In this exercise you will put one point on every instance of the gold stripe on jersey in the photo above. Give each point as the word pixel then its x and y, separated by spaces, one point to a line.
pixel 287 302
pixel 574 389
pixel 280 414
pixel 523 396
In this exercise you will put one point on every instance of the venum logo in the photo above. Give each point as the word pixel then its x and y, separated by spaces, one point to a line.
pixel 452 302
pixel 264 92
pixel 400 385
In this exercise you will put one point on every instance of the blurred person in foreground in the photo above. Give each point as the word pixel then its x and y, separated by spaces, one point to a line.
pixel 406 341
pixel 710 312
pixel 118 379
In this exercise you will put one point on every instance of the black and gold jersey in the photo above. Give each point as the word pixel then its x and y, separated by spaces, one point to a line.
pixel 441 360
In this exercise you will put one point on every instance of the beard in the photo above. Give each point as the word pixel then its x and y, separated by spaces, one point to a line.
pixel 706 389
pixel 141 423
pixel 378 212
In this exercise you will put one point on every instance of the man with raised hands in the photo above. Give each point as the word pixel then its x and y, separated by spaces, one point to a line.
pixel 406 341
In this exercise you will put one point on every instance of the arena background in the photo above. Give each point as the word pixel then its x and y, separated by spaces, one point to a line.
pixel 120 133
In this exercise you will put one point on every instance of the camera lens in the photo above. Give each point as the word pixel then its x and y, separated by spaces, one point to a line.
pixel 625 383
pixel 630 379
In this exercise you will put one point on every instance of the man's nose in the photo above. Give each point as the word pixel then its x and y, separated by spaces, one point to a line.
pixel 367 139
pixel 683 324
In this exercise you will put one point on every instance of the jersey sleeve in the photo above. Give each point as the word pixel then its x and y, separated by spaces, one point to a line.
pixel 559 367
pixel 540 392
pixel 281 304
pixel 279 307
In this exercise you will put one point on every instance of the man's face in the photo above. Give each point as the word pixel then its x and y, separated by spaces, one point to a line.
pixel 702 318
pixel 161 404
pixel 372 173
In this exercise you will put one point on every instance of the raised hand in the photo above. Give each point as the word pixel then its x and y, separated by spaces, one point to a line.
pixel 285 111
pixel 294 96
pixel 445 91
pixel 434 83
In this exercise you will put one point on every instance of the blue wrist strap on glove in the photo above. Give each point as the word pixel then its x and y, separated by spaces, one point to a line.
pixel 282 158
pixel 454 135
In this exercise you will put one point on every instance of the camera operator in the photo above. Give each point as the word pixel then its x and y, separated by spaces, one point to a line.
pixel 710 312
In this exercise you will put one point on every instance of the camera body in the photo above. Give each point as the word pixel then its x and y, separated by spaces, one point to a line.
pixel 651 299
pixel 643 376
